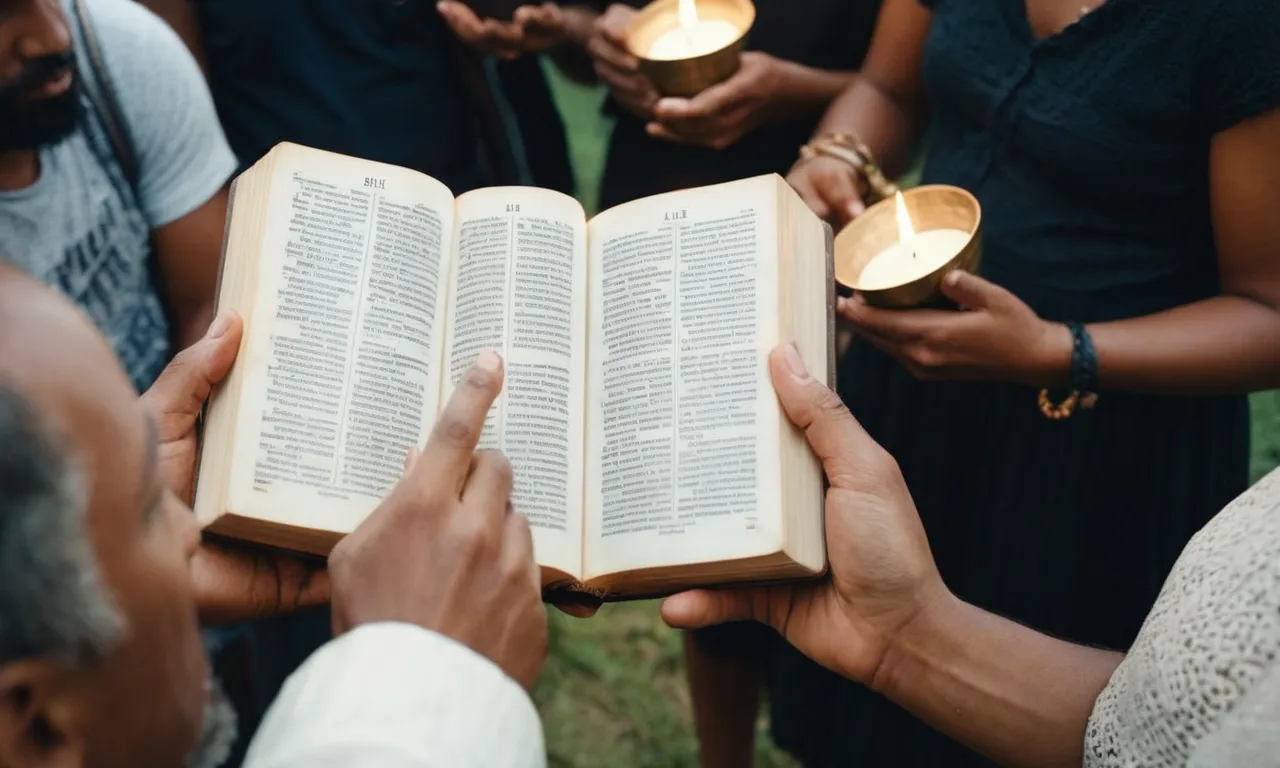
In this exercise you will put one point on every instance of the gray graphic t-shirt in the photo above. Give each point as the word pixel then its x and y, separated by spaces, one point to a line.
pixel 79 227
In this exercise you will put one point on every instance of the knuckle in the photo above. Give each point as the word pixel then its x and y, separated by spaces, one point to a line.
pixel 480 380
pixel 342 561
pixel 519 527
pixel 831 406
pixel 455 431
pixel 827 403
pixel 882 464
pixel 923 356
pixel 935 338
pixel 920 372
pixel 516 572
pixel 474 538
pixel 179 363
pixel 499 465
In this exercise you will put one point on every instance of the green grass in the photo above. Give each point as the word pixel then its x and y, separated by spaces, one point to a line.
pixel 1266 432
pixel 613 692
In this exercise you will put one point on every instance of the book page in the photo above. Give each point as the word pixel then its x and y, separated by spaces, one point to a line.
pixel 683 314
pixel 344 340
pixel 519 287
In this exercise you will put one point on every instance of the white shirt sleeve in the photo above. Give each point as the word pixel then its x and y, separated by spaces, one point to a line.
pixel 396 695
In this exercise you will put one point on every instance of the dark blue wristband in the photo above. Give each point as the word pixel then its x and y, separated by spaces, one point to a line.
pixel 1084 359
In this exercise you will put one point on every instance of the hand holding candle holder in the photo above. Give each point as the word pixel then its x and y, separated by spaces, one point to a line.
pixel 687 46
pixel 897 252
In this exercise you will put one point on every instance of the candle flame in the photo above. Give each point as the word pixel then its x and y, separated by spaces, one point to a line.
pixel 906 231
pixel 688 14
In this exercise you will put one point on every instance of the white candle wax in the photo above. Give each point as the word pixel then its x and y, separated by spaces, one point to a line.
pixel 896 265
pixel 698 40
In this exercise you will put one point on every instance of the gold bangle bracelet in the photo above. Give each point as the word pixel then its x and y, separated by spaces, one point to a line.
pixel 848 148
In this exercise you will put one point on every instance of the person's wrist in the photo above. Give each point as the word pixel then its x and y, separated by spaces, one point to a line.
pixel 932 622
pixel 1050 361
pixel 579 24
pixel 786 84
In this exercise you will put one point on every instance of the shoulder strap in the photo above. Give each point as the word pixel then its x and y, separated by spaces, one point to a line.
pixel 103 96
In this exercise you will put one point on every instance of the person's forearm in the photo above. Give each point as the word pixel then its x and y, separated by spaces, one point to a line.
pixel 181 15
pixel 571 57
pixel 1227 344
pixel 807 92
pixel 579 21
pixel 1016 695
pixel 888 125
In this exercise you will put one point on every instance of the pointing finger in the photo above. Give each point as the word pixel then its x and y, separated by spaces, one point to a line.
pixel 489 485
pixel 457 432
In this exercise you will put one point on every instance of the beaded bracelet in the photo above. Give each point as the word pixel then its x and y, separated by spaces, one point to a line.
pixel 1083 377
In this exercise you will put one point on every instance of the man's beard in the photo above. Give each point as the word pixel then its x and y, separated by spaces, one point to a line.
pixel 26 123
pixel 219 732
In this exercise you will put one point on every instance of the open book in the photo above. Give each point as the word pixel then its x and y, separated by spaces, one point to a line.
pixel 649 449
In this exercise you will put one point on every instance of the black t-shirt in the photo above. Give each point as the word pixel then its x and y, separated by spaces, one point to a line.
pixel 826 34
pixel 370 78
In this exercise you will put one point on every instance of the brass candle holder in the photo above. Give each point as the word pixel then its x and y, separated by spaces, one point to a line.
pixel 876 230
pixel 689 76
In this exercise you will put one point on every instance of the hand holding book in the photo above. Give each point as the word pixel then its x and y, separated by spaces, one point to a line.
pixel 883 573
pixel 648 446
pixel 448 526
pixel 232 583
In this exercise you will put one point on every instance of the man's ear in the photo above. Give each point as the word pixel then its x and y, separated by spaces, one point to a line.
pixel 40 726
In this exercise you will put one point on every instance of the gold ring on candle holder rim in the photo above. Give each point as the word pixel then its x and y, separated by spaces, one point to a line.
pixel 688 77
pixel 931 207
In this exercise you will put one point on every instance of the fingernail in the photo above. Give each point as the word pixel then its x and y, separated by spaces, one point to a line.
pixel 954 277
pixel 856 209
pixel 220 324
pixel 489 361
pixel 791 356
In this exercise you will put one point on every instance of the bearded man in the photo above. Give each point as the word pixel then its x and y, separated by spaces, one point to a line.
pixel 126 222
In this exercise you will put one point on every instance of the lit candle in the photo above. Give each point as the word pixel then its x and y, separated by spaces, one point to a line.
pixel 913 256
pixel 694 37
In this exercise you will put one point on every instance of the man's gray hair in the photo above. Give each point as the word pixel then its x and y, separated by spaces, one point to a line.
pixel 52 601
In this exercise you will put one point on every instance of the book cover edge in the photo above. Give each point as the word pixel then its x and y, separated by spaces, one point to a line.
pixel 203 415
pixel 832 298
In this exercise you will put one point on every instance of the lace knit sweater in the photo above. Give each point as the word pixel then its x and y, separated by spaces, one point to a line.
pixel 1201 684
